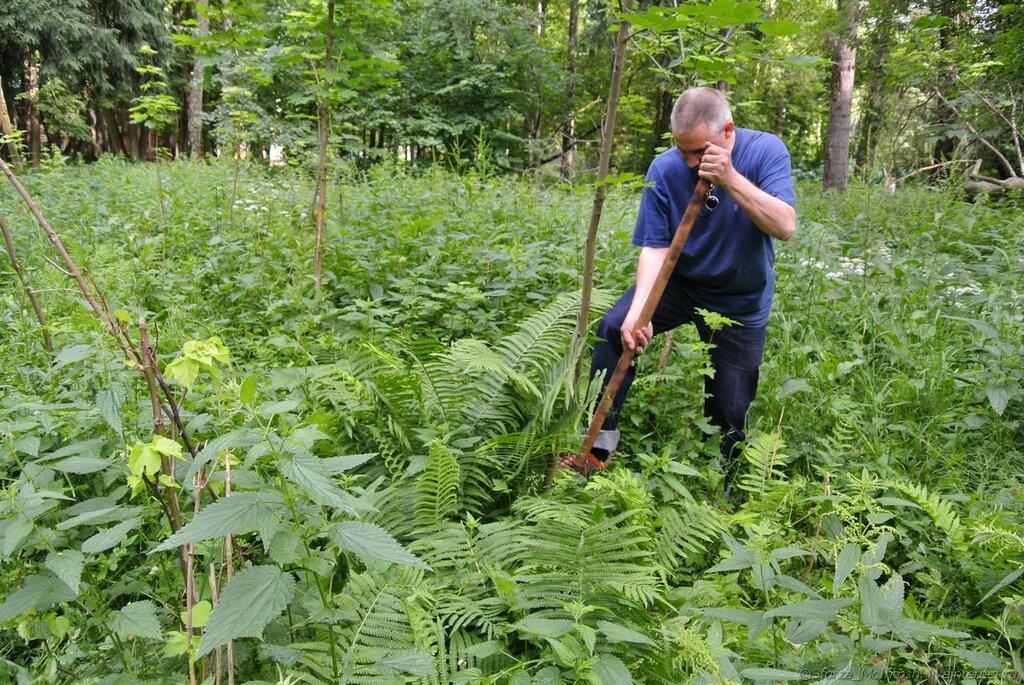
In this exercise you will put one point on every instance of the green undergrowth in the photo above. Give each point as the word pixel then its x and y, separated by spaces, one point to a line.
pixel 388 437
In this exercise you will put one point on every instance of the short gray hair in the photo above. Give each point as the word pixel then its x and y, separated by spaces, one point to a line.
pixel 700 105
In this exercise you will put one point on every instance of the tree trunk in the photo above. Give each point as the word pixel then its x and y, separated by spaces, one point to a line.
pixel 195 93
pixel 568 159
pixel 945 146
pixel 607 136
pixel 7 128
pixel 30 77
pixel 662 121
pixel 837 150
pixel 323 126
pixel 115 138
pixel 871 120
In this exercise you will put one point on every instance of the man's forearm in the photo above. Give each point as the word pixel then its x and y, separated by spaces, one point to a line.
pixel 647 267
pixel 772 215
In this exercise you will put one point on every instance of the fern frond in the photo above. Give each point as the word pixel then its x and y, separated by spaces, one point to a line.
pixel 938 509
pixel 439 485
pixel 686 533
pixel 764 457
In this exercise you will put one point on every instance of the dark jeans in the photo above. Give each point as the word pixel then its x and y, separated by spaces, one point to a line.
pixel 736 358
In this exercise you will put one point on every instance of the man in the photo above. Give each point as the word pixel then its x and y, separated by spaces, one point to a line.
pixel 726 265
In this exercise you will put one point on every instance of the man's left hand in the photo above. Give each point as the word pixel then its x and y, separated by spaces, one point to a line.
pixel 716 165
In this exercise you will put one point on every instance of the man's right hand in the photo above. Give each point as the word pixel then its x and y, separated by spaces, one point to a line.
pixel 634 338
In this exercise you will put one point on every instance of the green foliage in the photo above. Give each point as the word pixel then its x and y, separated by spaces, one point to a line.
pixel 387 442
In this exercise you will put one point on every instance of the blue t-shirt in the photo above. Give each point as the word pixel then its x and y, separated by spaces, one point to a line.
pixel 727 264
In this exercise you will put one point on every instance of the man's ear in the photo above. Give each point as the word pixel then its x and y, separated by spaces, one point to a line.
pixel 729 128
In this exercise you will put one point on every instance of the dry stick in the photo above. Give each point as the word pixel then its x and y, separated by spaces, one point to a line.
pixel 190 584
pixel 1011 122
pixel 675 248
pixel 214 598
pixel 12 255
pixel 666 349
pixel 230 561
pixel 601 190
pixel 119 333
pixel 970 127
pixel 930 167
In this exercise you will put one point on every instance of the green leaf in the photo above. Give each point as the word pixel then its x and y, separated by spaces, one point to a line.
pixel 200 614
pixel 791 387
pixel 413 662
pixel 109 401
pixel 240 513
pixel 609 670
pixel 71 354
pixel 617 633
pixel 166 446
pixel 802 632
pixel 76 464
pixel 17 530
pixel 979 660
pixel 849 555
pixel 109 537
pixel 306 472
pixel 67 565
pixel 821 609
pixel 117 512
pixel 253 598
pixel 247 392
pixel 40 592
pixel 137 619
pixel 998 397
pixel 780 27
pixel 545 627
pixel 368 540
pixel 1007 579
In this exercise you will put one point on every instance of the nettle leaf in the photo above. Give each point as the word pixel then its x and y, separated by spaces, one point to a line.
pixel 617 633
pixel 67 565
pixel 306 472
pixel 545 627
pixel 368 540
pixel 137 619
pixel 109 401
pixel 240 513
pixel 609 670
pixel 845 563
pixel 253 598
pixel 821 609
pixel 40 592
pixel 109 537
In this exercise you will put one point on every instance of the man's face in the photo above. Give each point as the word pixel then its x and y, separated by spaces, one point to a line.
pixel 691 143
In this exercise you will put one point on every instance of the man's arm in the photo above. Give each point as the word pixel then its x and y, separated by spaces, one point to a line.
pixel 775 217
pixel 647 268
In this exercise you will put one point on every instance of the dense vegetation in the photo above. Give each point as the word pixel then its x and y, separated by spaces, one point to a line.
pixel 387 437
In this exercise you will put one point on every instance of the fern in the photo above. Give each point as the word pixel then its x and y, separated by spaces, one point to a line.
pixel 764 461
pixel 938 509
pixel 686 533
pixel 380 627
pixel 438 486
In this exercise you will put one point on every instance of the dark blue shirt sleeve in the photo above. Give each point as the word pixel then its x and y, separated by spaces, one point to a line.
pixel 653 221
pixel 775 175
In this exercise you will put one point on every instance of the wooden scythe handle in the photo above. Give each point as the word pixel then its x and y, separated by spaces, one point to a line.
pixel 653 298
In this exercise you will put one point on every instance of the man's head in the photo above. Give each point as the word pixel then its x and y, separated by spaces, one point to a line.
pixel 701 115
